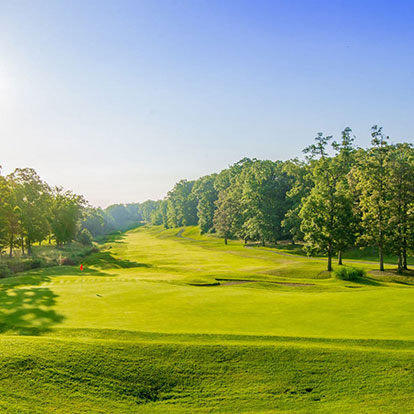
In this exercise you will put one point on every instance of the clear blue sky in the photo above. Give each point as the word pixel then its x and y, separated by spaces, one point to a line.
pixel 118 100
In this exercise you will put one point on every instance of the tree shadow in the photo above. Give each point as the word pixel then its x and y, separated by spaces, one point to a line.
pixel 367 281
pixel 116 237
pixel 28 311
pixel 44 274
pixel 106 260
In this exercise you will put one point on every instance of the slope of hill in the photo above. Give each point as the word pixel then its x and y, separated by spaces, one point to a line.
pixel 164 323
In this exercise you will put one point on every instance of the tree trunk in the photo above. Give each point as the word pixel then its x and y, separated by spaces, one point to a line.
pixel 11 246
pixel 330 258
pixel 29 248
pixel 245 240
pixel 404 256
pixel 263 242
pixel 381 257
pixel 225 240
pixel 400 263
pixel 340 257
pixel 23 247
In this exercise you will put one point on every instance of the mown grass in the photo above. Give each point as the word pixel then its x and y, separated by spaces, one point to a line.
pixel 145 328
pixel 65 376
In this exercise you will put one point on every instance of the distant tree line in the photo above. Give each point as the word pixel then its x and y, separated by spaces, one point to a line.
pixel 116 217
pixel 31 212
pixel 339 196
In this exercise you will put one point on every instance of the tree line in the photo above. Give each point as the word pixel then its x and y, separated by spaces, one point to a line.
pixel 31 211
pixel 337 197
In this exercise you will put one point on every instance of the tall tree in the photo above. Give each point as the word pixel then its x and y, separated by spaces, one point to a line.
pixel 66 211
pixel 228 209
pixel 401 211
pixel 4 212
pixel 344 162
pixel 301 183
pixel 33 199
pixel 373 174
pixel 264 198
pixel 325 212
pixel 182 205
pixel 206 195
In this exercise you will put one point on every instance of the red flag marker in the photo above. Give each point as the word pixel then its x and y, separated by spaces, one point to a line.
pixel 81 267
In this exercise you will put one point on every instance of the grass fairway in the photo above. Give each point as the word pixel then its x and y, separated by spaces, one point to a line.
pixel 162 321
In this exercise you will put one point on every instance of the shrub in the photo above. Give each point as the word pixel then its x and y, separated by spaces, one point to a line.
pixel 68 261
pixel 85 237
pixel 349 273
pixel 4 270
pixel 37 263
pixel 17 265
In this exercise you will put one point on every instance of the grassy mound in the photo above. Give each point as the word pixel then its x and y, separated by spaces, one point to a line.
pixel 88 376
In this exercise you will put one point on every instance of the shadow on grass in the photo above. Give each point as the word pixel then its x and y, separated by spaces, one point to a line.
pixel 367 281
pixel 28 311
pixel 107 260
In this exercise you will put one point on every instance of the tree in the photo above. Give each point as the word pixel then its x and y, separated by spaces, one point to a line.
pixel 264 198
pixel 124 216
pixel 372 175
pixel 401 212
pixel 182 205
pixel 32 197
pixel 206 195
pixel 93 221
pixel 4 212
pixel 301 183
pixel 85 237
pixel 228 208
pixel 326 212
pixel 345 160
pixel 146 208
pixel 66 211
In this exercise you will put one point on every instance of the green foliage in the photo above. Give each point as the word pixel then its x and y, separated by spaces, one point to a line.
pixel 226 214
pixel 5 270
pixel 264 197
pixel 66 211
pixel 372 174
pixel 85 237
pixel 182 205
pixel 122 216
pixel 32 196
pixel 349 273
pixel 206 195
pixel 326 213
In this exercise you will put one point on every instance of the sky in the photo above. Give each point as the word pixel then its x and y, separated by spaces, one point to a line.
pixel 118 100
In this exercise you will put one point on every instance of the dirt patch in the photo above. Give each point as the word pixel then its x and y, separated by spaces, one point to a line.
pixel 235 282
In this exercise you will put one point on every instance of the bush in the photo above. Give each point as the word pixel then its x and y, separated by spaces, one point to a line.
pixel 94 250
pixel 68 261
pixel 349 273
pixel 37 263
pixel 17 265
pixel 4 270
pixel 85 237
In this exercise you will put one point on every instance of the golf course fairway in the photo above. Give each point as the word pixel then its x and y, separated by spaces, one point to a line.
pixel 168 321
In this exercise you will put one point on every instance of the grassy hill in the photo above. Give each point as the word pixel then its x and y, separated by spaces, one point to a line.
pixel 170 321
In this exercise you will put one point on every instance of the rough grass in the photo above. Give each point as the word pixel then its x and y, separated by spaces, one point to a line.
pixel 146 328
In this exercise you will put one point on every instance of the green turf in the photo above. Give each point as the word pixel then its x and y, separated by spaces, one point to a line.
pixel 161 323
